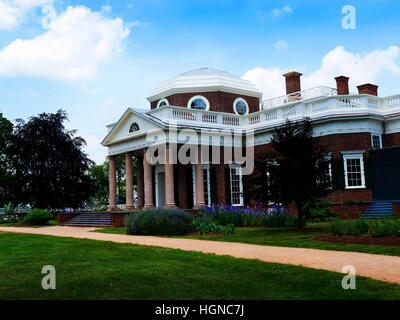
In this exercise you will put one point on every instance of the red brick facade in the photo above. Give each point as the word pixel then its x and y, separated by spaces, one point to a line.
pixel 391 140
pixel 219 101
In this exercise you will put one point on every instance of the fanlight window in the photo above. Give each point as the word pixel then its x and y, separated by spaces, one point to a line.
pixel 199 103
pixel 163 102
pixel 134 127
pixel 240 107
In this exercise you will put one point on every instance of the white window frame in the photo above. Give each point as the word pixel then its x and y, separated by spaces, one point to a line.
pixel 329 159
pixel 161 101
pixel 348 155
pixel 236 167
pixel 234 106
pixel 206 185
pixel 189 104
pixel 372 140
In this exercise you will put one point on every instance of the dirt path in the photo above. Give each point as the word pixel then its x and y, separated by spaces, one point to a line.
pixel 380 267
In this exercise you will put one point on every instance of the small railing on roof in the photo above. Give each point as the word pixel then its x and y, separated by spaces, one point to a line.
pixel 315 92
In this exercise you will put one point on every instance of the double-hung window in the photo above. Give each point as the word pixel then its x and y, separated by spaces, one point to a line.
pixel 236 185
pixel 354 169
pixel 376 141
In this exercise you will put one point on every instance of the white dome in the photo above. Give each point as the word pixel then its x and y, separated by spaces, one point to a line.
pixel 204 80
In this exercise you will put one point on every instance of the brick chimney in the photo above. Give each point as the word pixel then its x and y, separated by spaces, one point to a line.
pixel 292 82
pixel 368 88
pixel 342 85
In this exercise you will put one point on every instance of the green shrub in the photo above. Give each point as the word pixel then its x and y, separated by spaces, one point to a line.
pixel 159 222
pixel 373 227
pixel 38 217
pixel 318 210
pixel 205 224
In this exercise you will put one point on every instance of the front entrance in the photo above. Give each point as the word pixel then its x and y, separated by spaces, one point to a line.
pixel 160 186
pixel 385 165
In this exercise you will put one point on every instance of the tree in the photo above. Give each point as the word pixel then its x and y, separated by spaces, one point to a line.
pixel 295 171
pixel 99 174
pixel 6 128
pixel 49 164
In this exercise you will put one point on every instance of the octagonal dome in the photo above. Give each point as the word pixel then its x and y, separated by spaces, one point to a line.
pixel 204 80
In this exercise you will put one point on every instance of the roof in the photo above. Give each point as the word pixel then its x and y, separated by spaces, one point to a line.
pixel 204 79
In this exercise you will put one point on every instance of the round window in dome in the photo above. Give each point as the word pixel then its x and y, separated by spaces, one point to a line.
pixel 240 107
pixel 199 103
pixel 163 102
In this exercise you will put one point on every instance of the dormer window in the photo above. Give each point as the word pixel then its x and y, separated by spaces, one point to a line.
pixel 199 103
pixel 240 107
pixel 163 102
pixel 134 127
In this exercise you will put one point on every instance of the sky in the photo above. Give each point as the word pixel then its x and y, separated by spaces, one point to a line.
pixel 94 59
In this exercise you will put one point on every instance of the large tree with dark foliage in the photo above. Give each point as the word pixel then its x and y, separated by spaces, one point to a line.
pixel 6 129
pixel 49 164
pixel 295 171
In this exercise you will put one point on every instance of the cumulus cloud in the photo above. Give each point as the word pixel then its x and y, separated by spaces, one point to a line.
pixel 75 43
pixel 361 68
pixel 277 12
pixel 13 12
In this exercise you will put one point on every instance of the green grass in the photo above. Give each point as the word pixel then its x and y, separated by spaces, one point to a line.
pixel 288 237
pixel 20 224
pixel 89 269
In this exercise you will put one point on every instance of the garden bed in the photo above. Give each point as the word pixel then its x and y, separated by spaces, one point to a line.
pixel 363 239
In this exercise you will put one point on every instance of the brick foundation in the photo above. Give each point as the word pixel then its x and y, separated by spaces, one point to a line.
pixel 118 219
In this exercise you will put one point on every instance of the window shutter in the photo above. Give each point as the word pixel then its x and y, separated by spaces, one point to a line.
pixel 338 174
pixel 369 178
pixel 228 185
pixel 213 186
pixel 246 195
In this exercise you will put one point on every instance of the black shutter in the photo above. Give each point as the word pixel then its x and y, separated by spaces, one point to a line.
pixel 369 178
pixel 246 195
pixel 189 184
pixel 338 174
pixel 213 186
pixel 176 187
pixel 228 186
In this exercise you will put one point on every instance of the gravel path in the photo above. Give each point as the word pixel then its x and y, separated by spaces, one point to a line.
pixel 379 267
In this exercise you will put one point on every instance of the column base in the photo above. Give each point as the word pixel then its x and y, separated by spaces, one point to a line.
pixel 198 206
pixel 170 206
pixel 113 208
pixel 148 206
pixel 129 208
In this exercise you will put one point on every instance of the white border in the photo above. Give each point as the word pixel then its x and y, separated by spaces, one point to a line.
pixel 162 100
pixel 237 167
pixel 234 106
pixel 354 155
pixel 199 97
pixel 372 140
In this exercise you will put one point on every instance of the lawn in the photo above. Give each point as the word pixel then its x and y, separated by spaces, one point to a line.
pixel 89 269
pixel 288 237
pixel 51 223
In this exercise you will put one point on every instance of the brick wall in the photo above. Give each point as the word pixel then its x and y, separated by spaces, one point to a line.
pixel 391 140
pixel 118 219
pixel 343 195
pixel 396 209
pixel 226 100
pixel 350 211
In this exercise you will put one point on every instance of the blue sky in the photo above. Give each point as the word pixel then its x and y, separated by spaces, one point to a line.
pixel 96 58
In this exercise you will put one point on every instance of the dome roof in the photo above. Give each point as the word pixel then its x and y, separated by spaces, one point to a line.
pixel 203 80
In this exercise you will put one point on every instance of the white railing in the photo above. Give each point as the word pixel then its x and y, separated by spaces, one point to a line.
pixel 324 107
pixel 312 93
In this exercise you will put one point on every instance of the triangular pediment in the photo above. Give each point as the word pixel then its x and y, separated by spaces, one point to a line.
pixel 132 124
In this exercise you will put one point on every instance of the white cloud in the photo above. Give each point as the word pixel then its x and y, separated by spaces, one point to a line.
pixel 281 45
pixel 77 41
pixel 13 12
pixel 361 68
pixel 282 11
